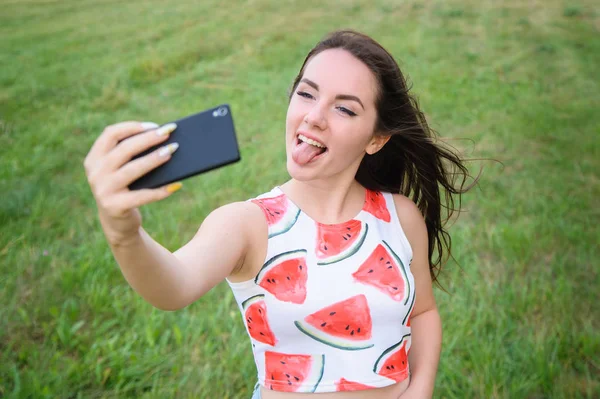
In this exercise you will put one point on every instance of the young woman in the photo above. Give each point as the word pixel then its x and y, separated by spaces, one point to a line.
pixel 333 269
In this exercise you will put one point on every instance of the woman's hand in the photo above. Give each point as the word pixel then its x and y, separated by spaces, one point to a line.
pixel 110 169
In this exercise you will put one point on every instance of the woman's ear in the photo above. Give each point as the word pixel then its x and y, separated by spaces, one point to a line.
pixel 376 144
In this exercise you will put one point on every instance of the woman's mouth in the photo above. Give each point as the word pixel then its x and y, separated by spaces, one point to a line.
pixel 307 150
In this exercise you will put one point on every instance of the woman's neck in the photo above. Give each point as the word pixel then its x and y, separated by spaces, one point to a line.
pixel 324 202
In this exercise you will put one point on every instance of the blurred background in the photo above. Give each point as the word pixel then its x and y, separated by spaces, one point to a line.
pixel 517 81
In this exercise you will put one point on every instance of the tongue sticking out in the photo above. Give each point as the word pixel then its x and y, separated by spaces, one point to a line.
pixel 303 153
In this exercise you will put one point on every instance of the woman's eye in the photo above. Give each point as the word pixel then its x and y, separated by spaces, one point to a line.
pixel 346 111
pixel 304 94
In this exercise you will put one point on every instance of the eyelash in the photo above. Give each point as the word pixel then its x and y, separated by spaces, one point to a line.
pixel 309 96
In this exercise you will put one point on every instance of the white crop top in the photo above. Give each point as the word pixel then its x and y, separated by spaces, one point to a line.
pixel 329 310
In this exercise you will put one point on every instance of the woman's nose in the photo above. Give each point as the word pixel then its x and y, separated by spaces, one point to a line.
pixel 316 118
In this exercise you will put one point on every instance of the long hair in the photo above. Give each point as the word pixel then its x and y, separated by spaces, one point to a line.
pixel 413 162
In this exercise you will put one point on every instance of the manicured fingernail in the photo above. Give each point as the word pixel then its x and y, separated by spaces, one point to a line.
pixel 149 125
pixel 166 129
pixel 174 187
pixel 168 149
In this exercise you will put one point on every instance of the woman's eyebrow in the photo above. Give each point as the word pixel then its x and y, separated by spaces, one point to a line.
pixel 339 96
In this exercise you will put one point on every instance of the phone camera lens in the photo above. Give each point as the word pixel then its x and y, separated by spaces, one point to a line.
pixel 220 112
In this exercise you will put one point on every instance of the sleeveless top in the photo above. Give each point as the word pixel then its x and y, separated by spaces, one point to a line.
pixel 330 308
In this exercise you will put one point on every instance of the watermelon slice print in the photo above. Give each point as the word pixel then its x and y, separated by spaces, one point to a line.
pixel 393 362
pixel 281 214
pixel 336 242
pixel 384 270
pixel 255 314
pixel 344 325
pixel 345 385
pixel 293 373
pixel 285 276
pixel 376 206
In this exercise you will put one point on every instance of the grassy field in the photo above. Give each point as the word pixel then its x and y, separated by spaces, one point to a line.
pixel 515 78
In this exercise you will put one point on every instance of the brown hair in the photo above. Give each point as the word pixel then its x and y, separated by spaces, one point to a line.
pixel 412 162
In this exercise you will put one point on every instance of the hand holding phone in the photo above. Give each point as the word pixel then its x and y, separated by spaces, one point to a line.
pixel 206 141
pixel 141 155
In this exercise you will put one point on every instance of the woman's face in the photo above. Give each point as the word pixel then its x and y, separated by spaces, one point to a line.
pixel 333 107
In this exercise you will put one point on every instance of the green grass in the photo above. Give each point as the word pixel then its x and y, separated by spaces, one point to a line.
pixel 517 79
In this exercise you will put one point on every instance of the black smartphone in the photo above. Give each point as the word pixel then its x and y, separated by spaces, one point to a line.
pixel 206 141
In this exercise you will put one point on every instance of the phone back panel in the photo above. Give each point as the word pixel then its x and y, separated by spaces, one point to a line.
pixel 206 141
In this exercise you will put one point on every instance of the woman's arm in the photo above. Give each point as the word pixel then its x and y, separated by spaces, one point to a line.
pixel 166 280
pixel 426 326
pixel 171 281
pixel 424 353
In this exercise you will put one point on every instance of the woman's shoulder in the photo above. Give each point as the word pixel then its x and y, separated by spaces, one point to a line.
pixel 405 205
pixel 245 211
pixel 242 216
pixel 410 217
pixel 252 212
pixel 242 211
pixel 249 221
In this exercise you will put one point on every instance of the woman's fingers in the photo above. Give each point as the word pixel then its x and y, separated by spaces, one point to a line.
pixel 132 146
pixel 135 169
pixel 137 198
pixel 104 169
pixel 110 171
pixel 110 137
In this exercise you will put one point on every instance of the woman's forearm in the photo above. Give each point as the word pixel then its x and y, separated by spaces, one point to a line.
pixel 151 270
pixel 424 356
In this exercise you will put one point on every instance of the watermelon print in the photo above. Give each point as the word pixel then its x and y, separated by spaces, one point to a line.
pixel 393 362
pixel 344 385
pixel 375 204
pixel 281 214
pixel 384 270
pixel 255 314
pixel 285 276
pixel 336 242
pixel 293 373
pixel 344 325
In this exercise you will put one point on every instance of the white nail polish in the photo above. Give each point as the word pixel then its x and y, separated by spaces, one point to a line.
pixel 168 149
pixel 149 125
pixel 166 129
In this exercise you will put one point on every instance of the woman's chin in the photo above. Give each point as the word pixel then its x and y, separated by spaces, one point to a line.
pixel 300 172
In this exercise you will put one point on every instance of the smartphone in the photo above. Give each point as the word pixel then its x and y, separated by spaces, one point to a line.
pixel 206 141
